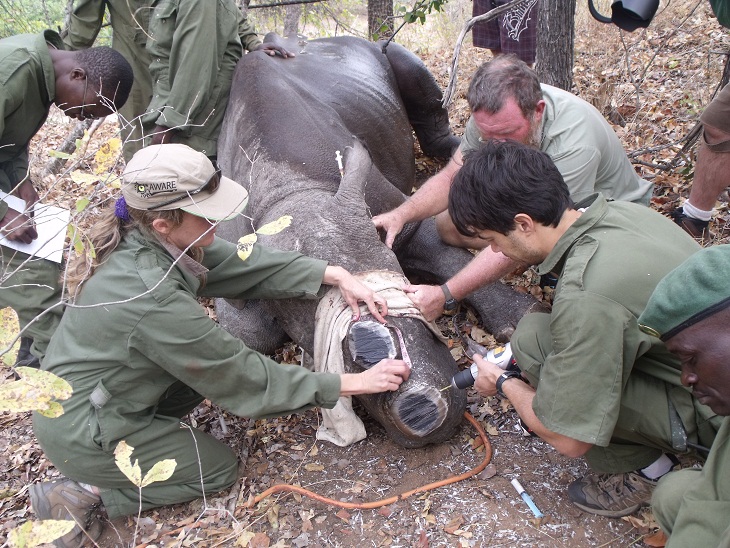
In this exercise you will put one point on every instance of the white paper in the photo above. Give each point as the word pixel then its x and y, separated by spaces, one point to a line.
pixel 51 223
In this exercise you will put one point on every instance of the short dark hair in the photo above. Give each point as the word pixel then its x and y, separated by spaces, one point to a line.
pixel 504 77
pixel 108 71
pixel 500 180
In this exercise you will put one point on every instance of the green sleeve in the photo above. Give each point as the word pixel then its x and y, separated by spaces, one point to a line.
pixel 178 336
pixel 593 346
pixel 266 274
pixel 247 34
pixel 85 22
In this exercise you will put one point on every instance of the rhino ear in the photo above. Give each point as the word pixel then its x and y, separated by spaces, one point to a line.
pixel 351 194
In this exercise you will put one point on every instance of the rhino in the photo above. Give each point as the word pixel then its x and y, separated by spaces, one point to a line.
pixel 287 124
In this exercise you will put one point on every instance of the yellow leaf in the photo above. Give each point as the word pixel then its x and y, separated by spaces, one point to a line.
pixel 82 178
pixel 35 533
pixel 161 471
pixel 34 392
pixel 244 539
pixel 272 514
pixel 53 411
pixel 107 155
pixel 123 456
pixel 54 386
pixel 311 467
pixel 276 226
pixel 245 246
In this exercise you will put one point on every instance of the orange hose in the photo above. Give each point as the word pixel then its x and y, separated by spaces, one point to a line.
pixel 384 502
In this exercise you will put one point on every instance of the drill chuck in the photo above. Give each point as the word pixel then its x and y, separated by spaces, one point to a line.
pixel 502 356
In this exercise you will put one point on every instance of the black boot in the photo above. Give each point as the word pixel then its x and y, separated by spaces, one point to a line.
pixel 25 358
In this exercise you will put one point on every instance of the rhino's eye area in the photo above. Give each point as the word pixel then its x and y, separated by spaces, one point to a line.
pixel 370 342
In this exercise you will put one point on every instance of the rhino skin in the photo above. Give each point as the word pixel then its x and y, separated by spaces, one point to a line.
pixel 285 121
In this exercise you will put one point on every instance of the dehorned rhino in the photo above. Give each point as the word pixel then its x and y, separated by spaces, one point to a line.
pixel 286 121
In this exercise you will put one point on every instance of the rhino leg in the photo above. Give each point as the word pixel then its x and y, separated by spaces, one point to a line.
pixel 422 254
pixel 422 97
pixel 253 323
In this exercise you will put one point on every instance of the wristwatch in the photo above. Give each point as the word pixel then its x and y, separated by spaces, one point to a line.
pixel 503 377
pixel 451 303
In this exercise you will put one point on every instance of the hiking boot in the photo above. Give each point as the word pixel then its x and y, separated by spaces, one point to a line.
pixel 611 495
pixel 24 357
pixel 65 499
pixel 696 228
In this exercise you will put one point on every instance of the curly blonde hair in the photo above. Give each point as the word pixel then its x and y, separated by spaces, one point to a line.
pixel 105 236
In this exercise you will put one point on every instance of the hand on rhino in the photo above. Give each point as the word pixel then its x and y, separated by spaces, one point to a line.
pixel 354 292
pixel 273 49
pixel 386 375
pixel 392 223
pixel 429 299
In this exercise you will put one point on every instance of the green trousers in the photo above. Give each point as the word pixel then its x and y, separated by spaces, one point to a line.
pixel 693 506
pixel 204 464
pixel 31 287
pixel 130 122
pixel 643 430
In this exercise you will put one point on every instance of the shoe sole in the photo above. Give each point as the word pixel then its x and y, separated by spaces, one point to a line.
pixel 611 513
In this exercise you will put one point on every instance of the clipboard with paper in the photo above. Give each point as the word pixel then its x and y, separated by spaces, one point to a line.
pixel 51 223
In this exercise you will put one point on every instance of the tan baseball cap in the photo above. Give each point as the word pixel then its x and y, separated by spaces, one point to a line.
pixel 174 176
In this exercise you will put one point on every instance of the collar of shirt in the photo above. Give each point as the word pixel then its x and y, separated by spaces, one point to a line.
pixel 595 208
pixel 184 260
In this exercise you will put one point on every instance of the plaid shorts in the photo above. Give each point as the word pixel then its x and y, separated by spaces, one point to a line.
pixel 513 32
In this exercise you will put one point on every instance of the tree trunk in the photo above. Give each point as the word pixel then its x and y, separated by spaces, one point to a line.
pixel 292 13
pixel 380 19
pixel 556 23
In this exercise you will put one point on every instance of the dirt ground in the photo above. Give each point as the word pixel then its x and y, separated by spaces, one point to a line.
pixel 652 85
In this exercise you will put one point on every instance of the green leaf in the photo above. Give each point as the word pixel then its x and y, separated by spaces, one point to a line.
pixel 35 533
pixel 81 204
pixel 59 154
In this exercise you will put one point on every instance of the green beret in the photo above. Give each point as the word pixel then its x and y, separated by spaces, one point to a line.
pixel 695 290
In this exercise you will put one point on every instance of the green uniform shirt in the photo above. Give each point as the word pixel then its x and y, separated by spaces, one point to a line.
pixel 28 87
pixel 122 358
pixel 608 262
pixel 584 148
pixel 194 47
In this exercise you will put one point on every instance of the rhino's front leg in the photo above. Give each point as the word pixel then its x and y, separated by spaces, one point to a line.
pixel 422 254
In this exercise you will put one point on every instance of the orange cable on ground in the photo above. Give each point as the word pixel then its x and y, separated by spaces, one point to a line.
pixel 384 502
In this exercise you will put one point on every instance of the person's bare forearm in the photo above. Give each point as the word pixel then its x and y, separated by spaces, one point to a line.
pixel 486 268
pixel 521 396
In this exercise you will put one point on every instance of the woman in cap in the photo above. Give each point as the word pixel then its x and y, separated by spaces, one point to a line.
pixel 140 352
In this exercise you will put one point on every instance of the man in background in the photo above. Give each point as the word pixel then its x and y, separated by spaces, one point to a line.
pixel 36 72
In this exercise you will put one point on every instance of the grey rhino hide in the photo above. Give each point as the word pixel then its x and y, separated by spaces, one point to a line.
pixel 285 120
pixel 336 227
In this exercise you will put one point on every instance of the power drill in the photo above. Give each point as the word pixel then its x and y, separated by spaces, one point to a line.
pixel 501 355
